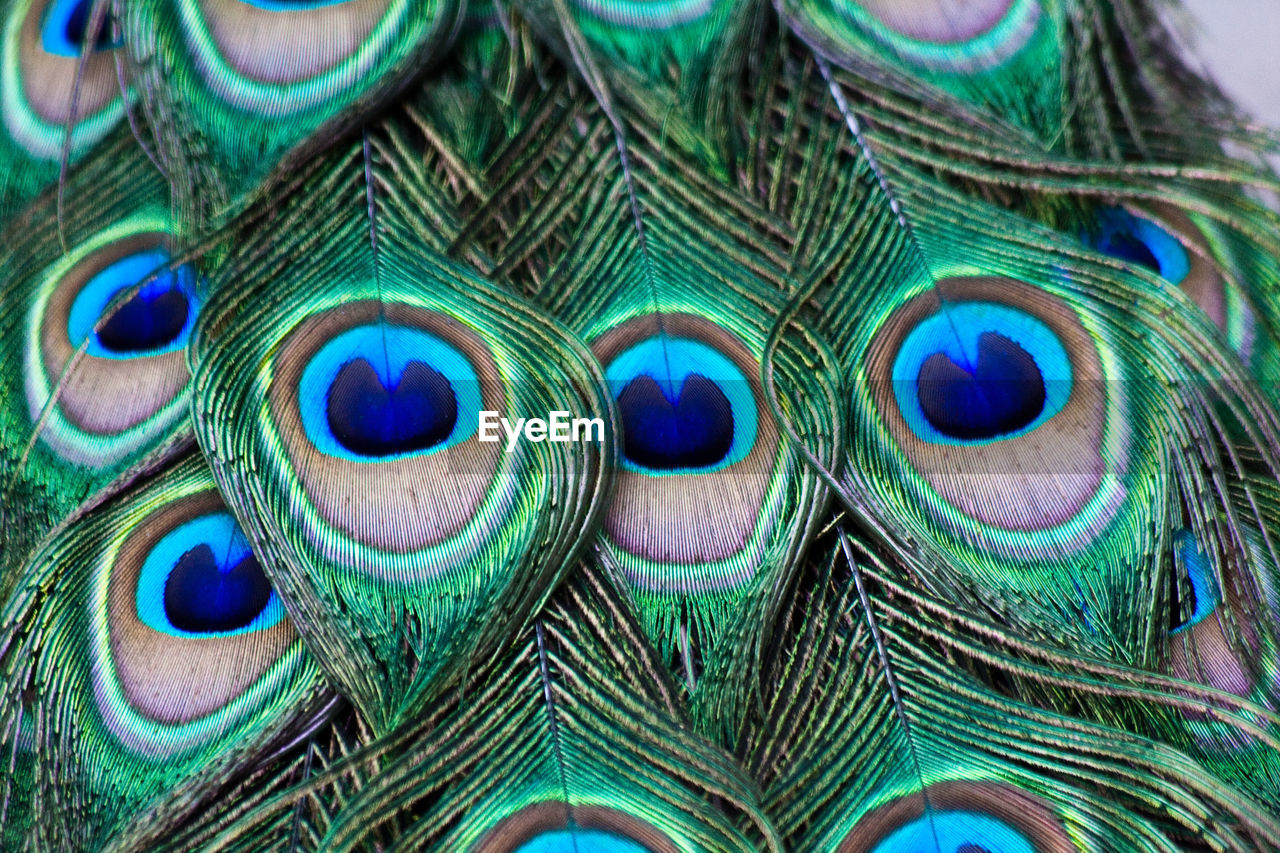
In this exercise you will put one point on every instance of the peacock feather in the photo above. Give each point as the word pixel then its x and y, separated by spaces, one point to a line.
pixel 95 309
pixel 160 574
pixel 919 482
pixel 65 90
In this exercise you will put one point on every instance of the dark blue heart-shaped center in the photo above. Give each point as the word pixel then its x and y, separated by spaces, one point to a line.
pixel 366 417
pixel 152 318
pixel 693 431
pixel 972 848
pixel 202 597
pixel 1121 242
pixel 1002 393
pixel 76 24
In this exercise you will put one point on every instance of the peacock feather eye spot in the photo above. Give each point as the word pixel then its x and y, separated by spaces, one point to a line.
pixel 383 391
pixel 1217 644
pixel 378 408
pixel 685 407
pixel 66 25
pixel 156 319
pixel 151 319
pixel 1140 241
pixel 201 579
pixel 106 347
pixel 1000 393
pixel 691 431
pixel 373 417
pixel 978 372
pixel 203 597
pixel 185 629
pixel 995 380
pixel 692 428
pixel 60 80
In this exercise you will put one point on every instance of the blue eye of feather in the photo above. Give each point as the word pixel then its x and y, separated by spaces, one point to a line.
pixel 64 30
pixel 1001 393
pixel 202 580
pixel 202 597
pixel 1204 585
pixel 416 411
pixel 579 841
pixel 151 319
pixel 693 430
pixel 979 372
pixel 1131 238
pixel 384 391
pixel 158 318
pixel 684 406
pixel 955 832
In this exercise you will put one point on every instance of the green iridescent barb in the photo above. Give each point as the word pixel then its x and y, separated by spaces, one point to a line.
pixel 918 488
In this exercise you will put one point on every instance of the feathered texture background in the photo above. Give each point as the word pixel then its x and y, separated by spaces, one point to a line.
pixel 936 508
